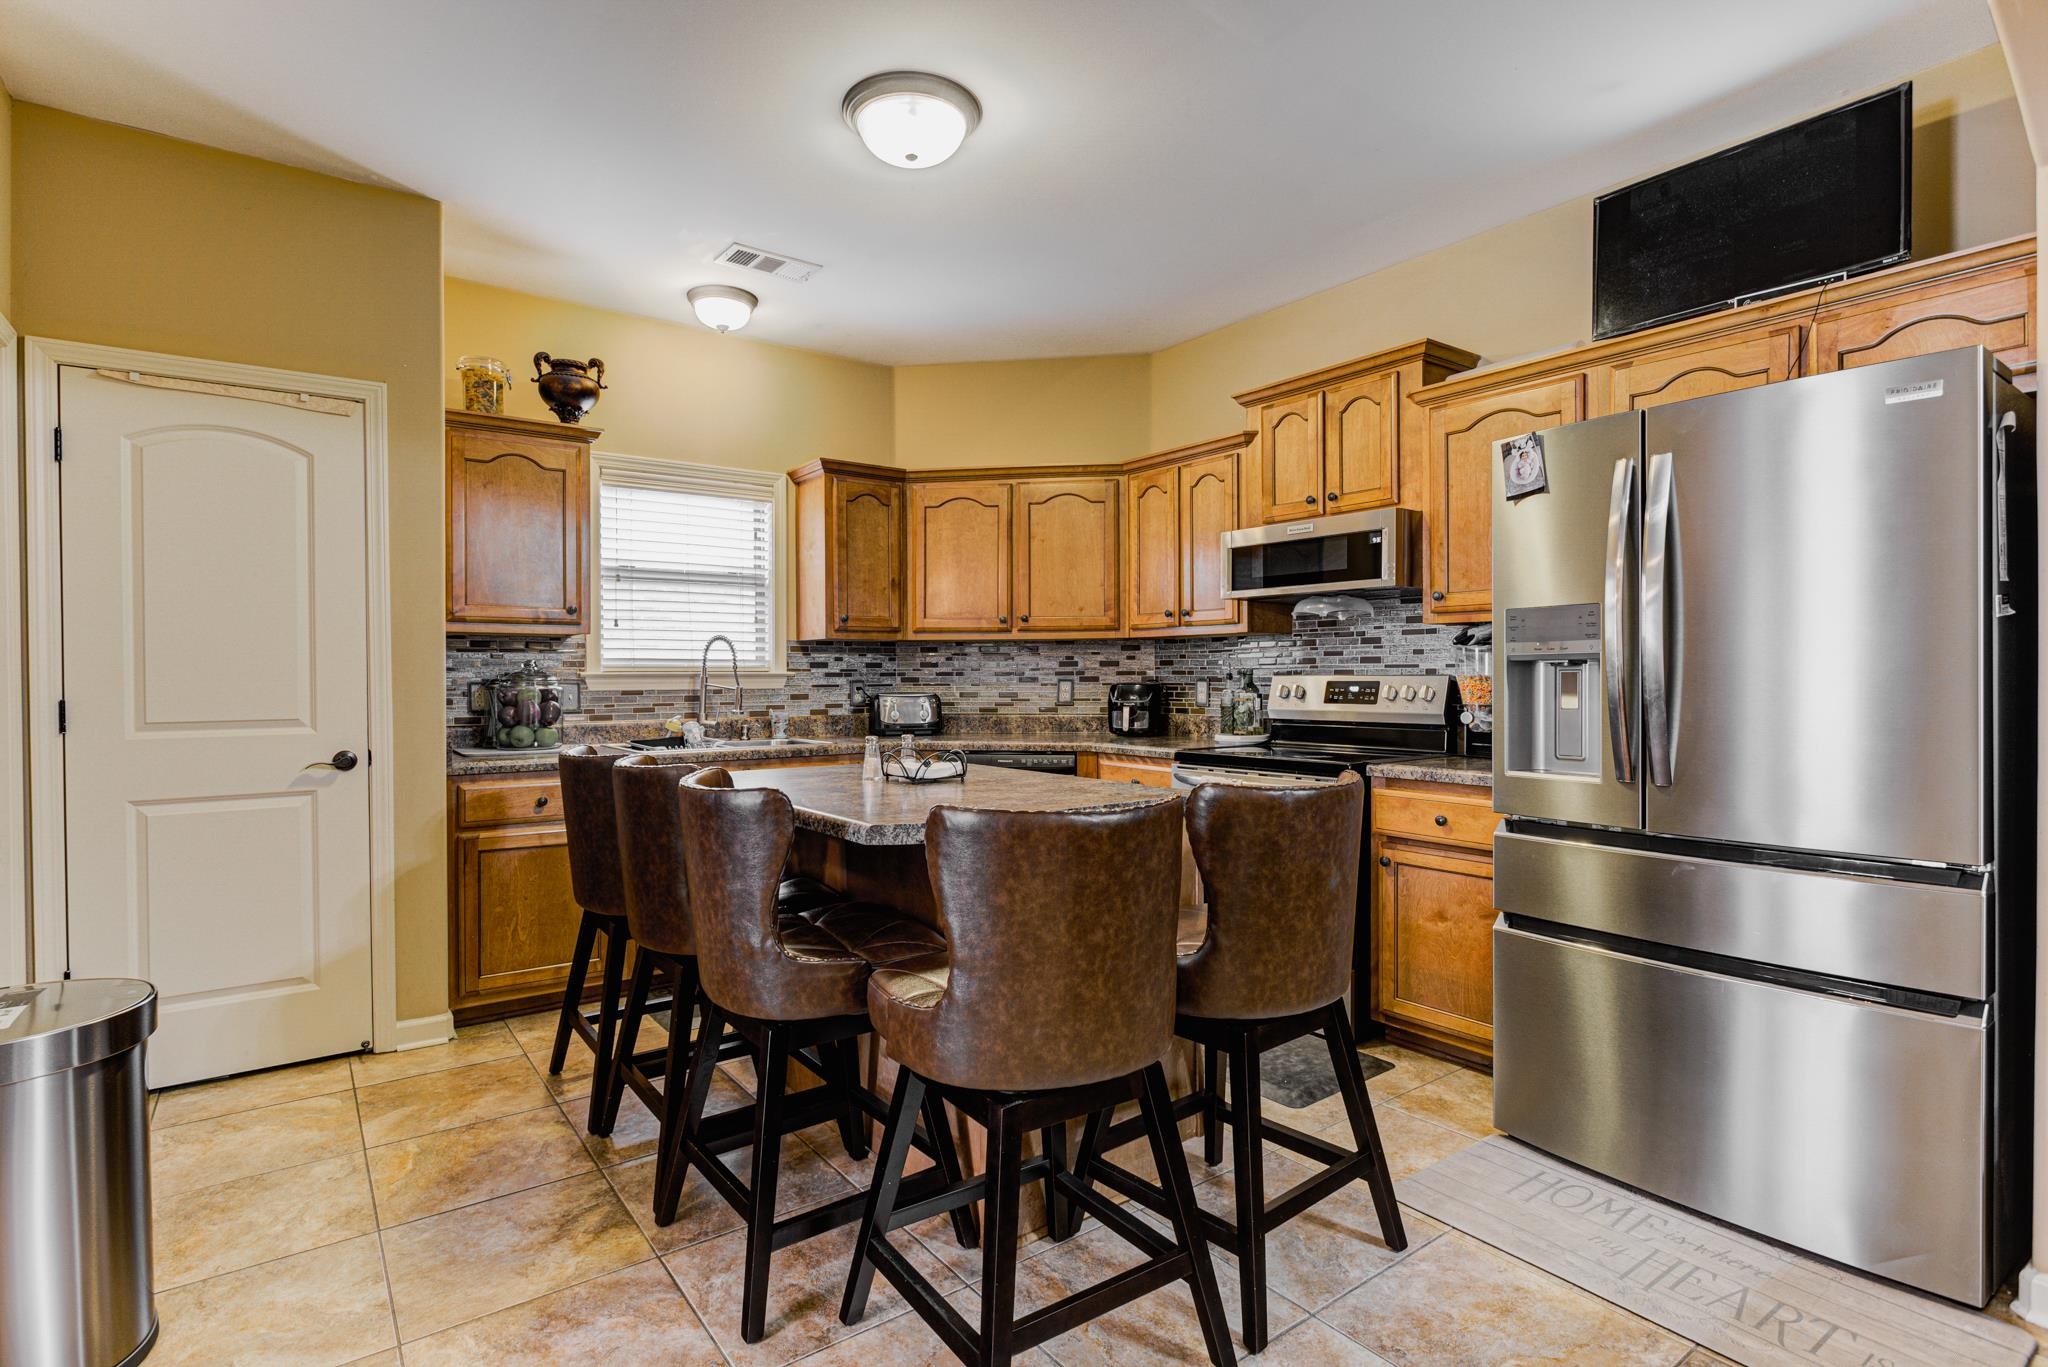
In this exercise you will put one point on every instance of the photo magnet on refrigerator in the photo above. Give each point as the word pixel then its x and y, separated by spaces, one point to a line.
pixel 1522 461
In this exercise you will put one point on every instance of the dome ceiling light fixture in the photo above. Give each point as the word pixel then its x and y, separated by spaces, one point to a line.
pixel 723 308
pixel 911 119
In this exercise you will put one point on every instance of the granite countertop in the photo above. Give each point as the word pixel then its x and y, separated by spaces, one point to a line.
pixel 834 800
pixel 1476 773
pixel 1098 741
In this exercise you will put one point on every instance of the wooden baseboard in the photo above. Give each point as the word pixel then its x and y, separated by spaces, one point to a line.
pixel 420 1032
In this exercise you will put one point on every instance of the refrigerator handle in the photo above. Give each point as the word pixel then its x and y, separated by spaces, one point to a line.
pixel 1660 584
pixel 1614 662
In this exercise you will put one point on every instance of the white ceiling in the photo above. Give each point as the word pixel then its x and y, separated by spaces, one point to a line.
pixel 1145 170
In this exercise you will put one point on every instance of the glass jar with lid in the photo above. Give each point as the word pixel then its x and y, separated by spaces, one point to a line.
pixel 526 710
pixel 486 384
pixel 1244 710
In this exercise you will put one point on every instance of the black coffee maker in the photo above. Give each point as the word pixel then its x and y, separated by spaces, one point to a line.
pixel 1137 709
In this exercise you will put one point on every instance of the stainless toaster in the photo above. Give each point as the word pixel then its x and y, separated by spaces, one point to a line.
pixel 904 714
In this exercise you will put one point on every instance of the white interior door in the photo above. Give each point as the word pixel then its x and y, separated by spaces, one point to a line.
pixel 215 655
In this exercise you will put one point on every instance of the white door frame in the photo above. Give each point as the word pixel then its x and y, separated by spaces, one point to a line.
pixel 14 937
pixel 42 356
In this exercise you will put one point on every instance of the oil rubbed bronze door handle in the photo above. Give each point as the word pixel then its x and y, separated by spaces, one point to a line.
pixel 343 760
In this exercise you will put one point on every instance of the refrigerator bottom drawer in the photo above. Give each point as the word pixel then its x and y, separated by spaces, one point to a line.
pixel 1854 1131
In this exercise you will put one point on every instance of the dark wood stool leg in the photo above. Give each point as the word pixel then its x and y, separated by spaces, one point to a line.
pixel 1059 1211
pixel 637 990
pixel 572 995
pixel 874 1221
pixel 703 1063
pixel 1248 1157
pixel 1365 1131
pixel 1084 1163
pixel 1212 1088
pixel 1172 1162
pixel 842 1057
pixel 607 1028
pixel 999 1236
pixel 771 1072
pixel 675 1072
pixel 946 1153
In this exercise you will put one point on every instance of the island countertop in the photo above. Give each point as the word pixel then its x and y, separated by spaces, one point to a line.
pixel 833 799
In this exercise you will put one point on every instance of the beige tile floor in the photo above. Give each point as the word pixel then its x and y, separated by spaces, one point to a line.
pixel 443 1206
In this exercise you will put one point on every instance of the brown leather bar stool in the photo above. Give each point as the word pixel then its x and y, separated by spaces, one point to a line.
pixel 1052 1000
pixel 1270 965
pixel 786 983
pixel 658 915
pixel 597 881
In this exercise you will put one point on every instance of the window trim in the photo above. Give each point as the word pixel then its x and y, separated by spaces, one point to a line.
pixel 720 479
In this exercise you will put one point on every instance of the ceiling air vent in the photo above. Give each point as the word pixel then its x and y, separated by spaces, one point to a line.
pixel 781 266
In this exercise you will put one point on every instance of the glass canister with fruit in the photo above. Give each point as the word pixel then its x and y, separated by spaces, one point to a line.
pixel 486 383
pixel 1244 712
pixel 526 710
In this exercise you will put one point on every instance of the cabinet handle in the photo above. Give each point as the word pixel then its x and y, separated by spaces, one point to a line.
pixel 842 619
pixel 1024 619
pixel 1385 862
pixel 1437 597
pixel 1310 500
pixel 1002 621
pixel 1443 821
pixel 539 803
pixel 1330 497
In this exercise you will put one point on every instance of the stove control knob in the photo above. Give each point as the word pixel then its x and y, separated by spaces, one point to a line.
pixel 1408 693
pixel 1429 694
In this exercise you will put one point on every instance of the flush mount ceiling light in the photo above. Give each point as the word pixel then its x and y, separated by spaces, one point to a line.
pixel 911 119
pixel 724 307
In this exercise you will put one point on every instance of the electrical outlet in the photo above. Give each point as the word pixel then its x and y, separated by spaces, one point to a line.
pixel 1063 691
pixel 1202 693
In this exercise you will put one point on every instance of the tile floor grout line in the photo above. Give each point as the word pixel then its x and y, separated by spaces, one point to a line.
pixel 377 1221
pixel 248 1110
pixel 566 1286
pixel 677 1282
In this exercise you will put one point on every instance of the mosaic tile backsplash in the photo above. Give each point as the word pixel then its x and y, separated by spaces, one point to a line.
pixel 991 685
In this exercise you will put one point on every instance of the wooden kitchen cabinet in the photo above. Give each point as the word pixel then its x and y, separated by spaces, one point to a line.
pixel 512 915
pixel 1432 950
pixel 1695 370
pixel 518 525
pixel 1152 549
pixel 850 551
pixel 960 556
pixel 1993 309
pixel 1178 504
pixel 1332 441
pixel 1459 579
pixel 1208 509
pixel 1149 773
pixel 1065 552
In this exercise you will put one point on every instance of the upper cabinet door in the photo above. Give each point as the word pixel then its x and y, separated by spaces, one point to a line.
pixel 1208 509
pixel 1360 444
pixel 867 552
pixel 1066 555
pixel 1995 313
pixel 1460 515
pixel 1695 371
pixel 1152 538
pixel 960 557
pixel 518 507
pixel 1291 459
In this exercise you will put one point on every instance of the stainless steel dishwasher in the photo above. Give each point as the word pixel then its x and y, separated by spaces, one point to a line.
pixel 1037 761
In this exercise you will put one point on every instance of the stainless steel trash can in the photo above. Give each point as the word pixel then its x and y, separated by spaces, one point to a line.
pixel 74 1174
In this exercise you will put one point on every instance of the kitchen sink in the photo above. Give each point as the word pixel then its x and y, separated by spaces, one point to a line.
pixel 776 743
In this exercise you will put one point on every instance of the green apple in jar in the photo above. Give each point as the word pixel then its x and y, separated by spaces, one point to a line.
pixel 520 736
pixel 546 735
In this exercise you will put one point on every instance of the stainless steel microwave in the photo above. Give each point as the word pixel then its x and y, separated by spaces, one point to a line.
pixel 1348 553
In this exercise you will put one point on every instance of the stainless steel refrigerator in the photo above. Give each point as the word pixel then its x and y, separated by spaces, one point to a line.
pixel 1764 711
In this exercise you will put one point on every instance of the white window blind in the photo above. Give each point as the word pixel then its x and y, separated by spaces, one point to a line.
pixel 685 553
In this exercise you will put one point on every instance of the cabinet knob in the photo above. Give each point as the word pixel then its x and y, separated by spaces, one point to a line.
pixel 1025 618
pixel 1443 821
pixel 539 802
pixel 1437 597
pixel 1002 621
pixel 842 619
pixel 1385 862
pixel 1310 500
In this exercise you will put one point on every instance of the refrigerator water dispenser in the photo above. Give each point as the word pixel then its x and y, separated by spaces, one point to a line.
pixel 1553 689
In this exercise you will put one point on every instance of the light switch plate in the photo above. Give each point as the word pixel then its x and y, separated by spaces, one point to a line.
pixel 1063 691
pixel 1202 693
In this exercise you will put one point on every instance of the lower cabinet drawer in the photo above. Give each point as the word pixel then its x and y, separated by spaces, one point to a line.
pixel 503 802
pixel 1131 771
pixel 1444 819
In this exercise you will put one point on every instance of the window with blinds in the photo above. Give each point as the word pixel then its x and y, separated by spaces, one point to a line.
pixel 685 553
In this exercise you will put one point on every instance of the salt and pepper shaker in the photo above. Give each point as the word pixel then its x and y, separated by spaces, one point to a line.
pixel 871 761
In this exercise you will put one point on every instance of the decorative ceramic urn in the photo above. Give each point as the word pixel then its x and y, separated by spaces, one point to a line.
pixel 568 388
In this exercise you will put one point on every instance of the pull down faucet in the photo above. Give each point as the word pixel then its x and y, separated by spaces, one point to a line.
pixel 705 686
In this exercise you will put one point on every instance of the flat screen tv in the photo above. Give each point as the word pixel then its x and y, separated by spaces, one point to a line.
pixel 1821 200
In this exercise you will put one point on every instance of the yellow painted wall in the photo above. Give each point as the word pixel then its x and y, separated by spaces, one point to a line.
pixel 6 204
pixel 1526 287
pixel 1073 410
pixel 129 239
pixel 678 391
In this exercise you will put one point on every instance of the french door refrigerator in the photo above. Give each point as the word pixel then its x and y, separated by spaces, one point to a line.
pixel 1764 672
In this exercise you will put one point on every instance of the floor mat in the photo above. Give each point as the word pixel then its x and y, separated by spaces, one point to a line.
pixel 1298 1074
pixel 1746 1299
